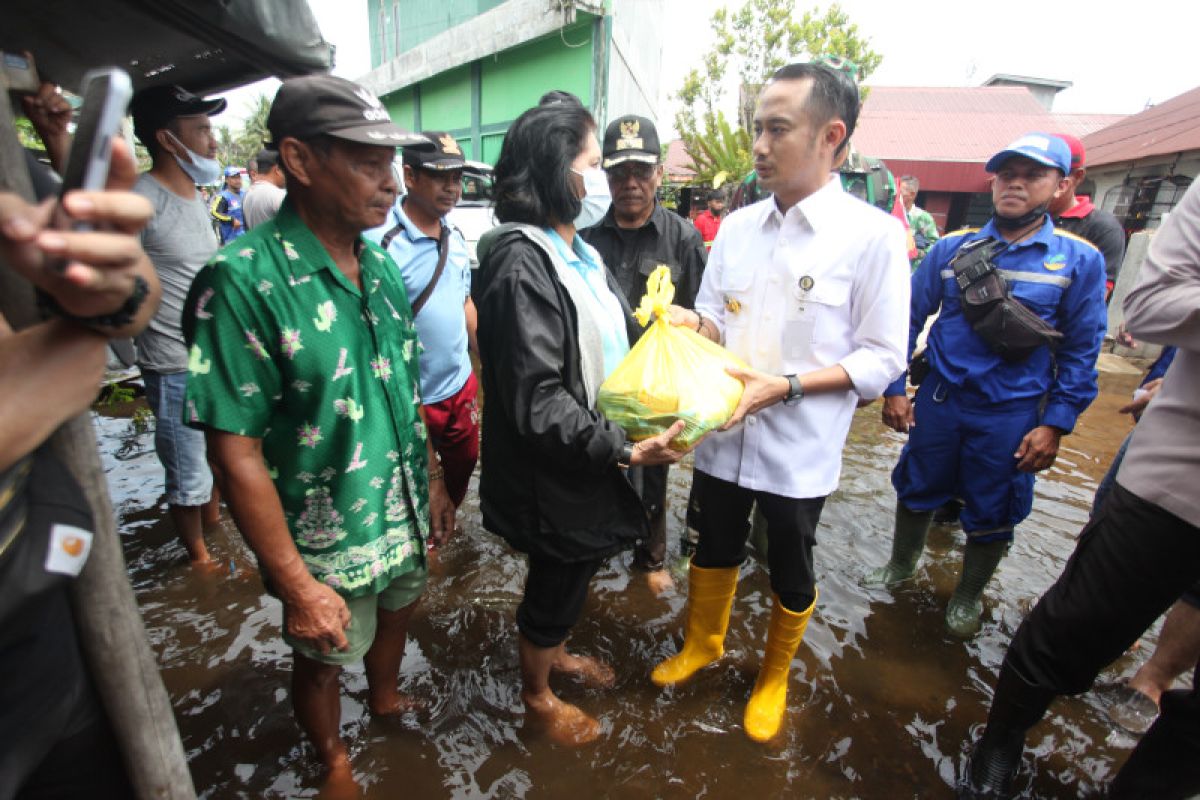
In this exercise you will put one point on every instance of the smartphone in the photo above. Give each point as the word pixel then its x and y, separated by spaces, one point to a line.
pixel 106 94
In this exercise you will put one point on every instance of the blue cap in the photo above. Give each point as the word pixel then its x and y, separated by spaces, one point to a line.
pixel 1040 147
pixel 233 171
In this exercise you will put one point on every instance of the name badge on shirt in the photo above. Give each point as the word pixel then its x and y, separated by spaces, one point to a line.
pixel 805 285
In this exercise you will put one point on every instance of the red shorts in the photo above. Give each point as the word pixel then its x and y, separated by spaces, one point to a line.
pixel 454 428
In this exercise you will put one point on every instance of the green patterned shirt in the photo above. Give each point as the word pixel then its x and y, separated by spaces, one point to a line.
pixel 921 222
pixel 284 348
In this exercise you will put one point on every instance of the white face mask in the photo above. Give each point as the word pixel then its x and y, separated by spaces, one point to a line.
pixel 203 171
pixel 596 198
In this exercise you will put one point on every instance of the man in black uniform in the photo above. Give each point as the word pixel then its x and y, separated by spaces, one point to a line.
pixel 1077 214
pixel 636 235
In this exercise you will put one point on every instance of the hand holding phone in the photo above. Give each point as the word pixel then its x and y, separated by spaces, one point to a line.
pixel 106 95
pixel 103 266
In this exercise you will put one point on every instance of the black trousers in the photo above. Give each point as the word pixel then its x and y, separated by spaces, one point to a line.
pixel 554 596
pixel 651 485
pixel 1133 561
pixel 720 512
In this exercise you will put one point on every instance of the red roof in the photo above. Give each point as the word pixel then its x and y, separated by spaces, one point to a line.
pixel 944 135
pixel 679 163
pixel 1169 127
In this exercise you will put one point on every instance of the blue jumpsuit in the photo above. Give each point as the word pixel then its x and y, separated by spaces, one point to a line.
pixel 974 408
pixel 226 207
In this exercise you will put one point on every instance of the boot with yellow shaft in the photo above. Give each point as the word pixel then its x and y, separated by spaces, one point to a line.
pixel 768 701
pixel 710 597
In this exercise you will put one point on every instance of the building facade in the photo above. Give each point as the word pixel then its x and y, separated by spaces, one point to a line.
pixel 471 67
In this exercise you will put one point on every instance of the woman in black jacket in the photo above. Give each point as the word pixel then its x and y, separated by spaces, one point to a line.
pixel 552 325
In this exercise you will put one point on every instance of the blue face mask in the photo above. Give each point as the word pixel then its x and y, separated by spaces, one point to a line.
pixel 203 171
pixel 596 198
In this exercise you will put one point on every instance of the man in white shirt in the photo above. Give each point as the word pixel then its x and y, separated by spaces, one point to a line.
pixel 266 191
pixel 810 287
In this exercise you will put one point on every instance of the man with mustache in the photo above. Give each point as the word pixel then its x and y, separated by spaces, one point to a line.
pixel 986 416
pixel 303 375
pixel 436 269
pixel 810 287
pixel 635 236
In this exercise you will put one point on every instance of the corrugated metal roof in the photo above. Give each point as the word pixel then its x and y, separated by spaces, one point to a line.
pixel 1169 127
pixel 944 135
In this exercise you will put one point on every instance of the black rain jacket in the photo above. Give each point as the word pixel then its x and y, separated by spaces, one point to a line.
pixel 550 484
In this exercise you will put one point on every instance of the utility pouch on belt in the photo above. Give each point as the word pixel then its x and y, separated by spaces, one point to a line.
pixel 1009 329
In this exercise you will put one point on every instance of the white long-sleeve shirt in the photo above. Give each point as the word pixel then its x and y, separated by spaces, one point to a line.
pixel 826 283
pixel 1163 463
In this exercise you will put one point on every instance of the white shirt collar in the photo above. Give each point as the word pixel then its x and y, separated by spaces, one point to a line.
pixel 818 209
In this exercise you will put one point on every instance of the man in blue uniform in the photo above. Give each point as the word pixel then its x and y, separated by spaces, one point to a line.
pixel 1003 385
pixel 227 207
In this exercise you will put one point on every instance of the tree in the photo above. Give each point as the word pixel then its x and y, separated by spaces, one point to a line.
pixel 237 149
pixel 755 41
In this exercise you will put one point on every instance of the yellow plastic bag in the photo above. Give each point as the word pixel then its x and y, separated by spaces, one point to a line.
pixel 670 374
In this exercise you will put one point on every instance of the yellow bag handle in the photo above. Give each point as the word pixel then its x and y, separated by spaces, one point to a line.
pixel 659 294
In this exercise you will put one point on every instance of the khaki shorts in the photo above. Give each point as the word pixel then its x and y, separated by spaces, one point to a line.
pixel 402 592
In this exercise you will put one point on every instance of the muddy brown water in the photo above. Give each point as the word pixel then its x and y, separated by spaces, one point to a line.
pixel 883 702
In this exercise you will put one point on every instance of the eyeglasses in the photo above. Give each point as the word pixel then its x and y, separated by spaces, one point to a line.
pixel 623 172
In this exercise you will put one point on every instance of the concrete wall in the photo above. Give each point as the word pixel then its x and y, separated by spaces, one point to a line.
pixel 634 59
pixel 1131 268
pixel 511 24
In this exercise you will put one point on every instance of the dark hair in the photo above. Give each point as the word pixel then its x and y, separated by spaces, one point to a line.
pixel 557 96
pixel 910 180
pixel 532 178
pixel 833 95
pixel 265 160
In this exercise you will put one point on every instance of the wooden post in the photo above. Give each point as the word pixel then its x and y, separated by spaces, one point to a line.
pixel 110 628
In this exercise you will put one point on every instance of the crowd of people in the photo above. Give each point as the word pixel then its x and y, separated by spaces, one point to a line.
pixel 315 363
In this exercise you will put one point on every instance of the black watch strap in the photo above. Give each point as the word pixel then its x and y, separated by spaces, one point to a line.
pixel 795 391
pixel 116 319
pixel 626 454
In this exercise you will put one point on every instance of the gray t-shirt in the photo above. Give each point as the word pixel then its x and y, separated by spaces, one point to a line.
pixel 261 203
pixel 179 240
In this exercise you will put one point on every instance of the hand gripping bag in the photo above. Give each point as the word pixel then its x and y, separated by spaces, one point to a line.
pixel 672 373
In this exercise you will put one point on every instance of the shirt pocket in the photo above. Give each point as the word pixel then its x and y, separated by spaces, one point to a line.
pixel 816 316
pixel 1040 298
pixel 737 284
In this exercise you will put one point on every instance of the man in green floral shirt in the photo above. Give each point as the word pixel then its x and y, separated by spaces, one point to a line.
pixel 920 221
pixel 304 375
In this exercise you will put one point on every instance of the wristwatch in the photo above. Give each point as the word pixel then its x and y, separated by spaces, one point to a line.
pixel 626 455
pixel 795 391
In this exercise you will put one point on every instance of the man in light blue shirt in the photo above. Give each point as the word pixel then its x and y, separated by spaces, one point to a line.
pixel 441 301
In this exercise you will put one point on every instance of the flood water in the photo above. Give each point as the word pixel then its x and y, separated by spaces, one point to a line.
pixel 883 702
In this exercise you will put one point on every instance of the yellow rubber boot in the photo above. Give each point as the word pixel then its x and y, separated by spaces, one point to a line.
pixel 710 596
pixel 768 701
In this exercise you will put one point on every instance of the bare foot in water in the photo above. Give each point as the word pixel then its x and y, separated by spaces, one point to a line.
pixel 339 783
pixel 562 722
pixel 395 704
pixel 592 672
pixel 659 581
pixel 207 566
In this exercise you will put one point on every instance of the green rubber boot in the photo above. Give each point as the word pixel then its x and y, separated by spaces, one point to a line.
pixel 966 604
pixel 907 543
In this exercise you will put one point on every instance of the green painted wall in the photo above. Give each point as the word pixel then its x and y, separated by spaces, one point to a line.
pixel 446 100
pixel 513 81
pixel 477 102
pixel 402 107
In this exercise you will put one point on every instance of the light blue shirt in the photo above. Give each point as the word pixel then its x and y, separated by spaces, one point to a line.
pixel 584 259
pixel 442 323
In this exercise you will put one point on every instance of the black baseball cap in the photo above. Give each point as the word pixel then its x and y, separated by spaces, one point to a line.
pixel 630 138
pixel 325 105
pixel 154 108
pixel 446 154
